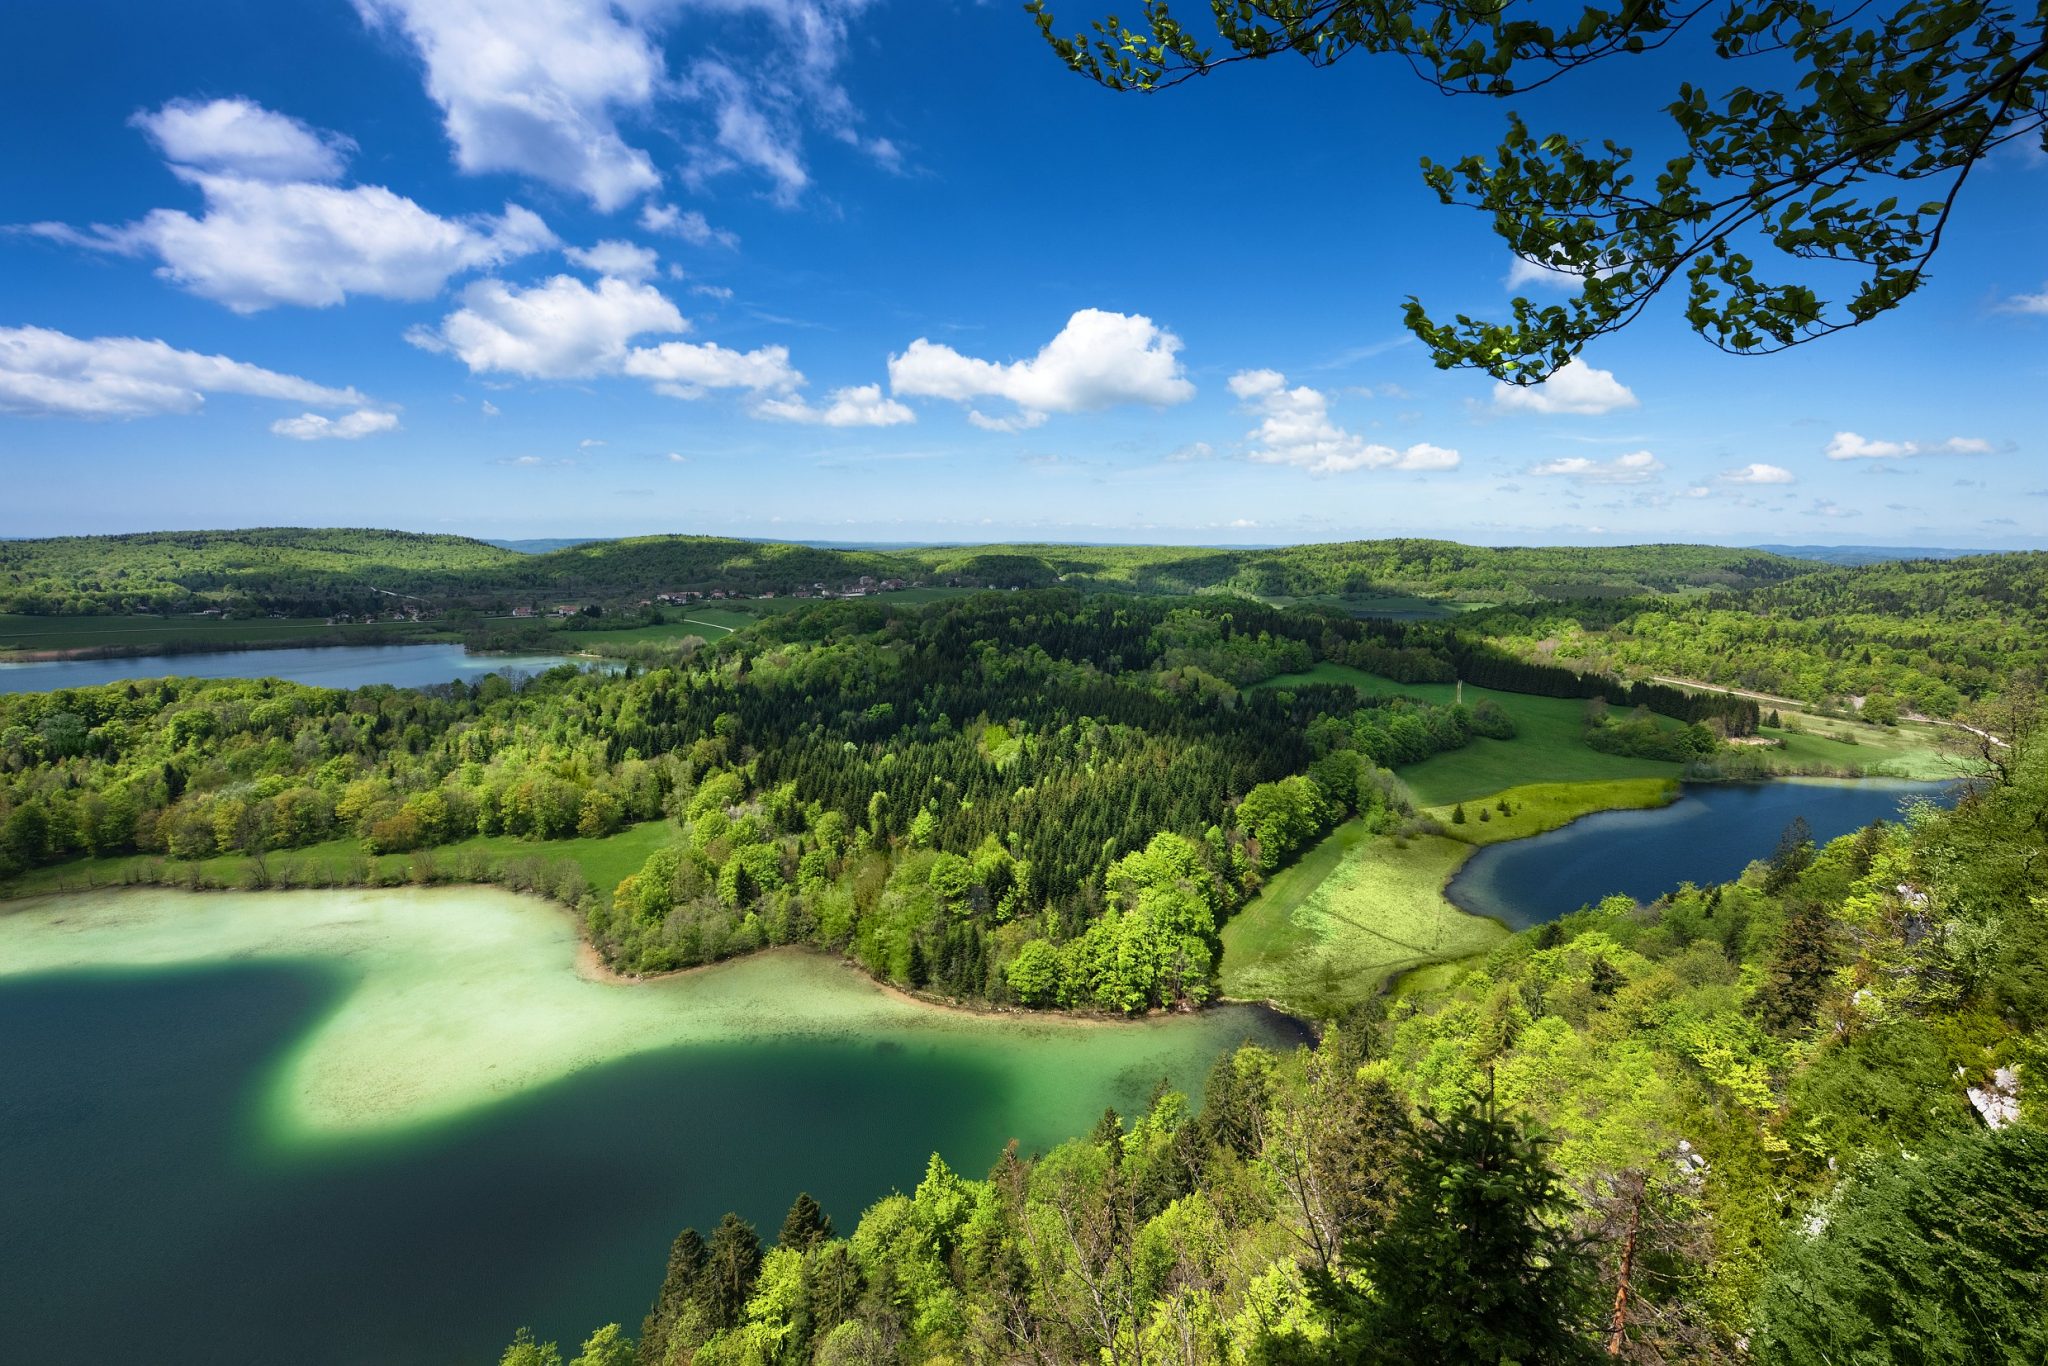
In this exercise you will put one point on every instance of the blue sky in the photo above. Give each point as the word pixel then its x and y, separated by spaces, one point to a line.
pixel 886 271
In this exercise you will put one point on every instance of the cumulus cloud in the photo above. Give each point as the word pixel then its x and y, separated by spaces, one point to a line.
pixel 857 406
pixel 625 260
pixel 45 373
pixel 541 88
pixel 1637 467
pixel 564 328
pixel 239 137
pixel 1759 473
pixel 692 369
pixel 559 329
pixel 1850 446
pixel 534 88
pixel 265 239
pixel 1575 388
pixel 351 427
pixel 690 225
pixel 1097 361
pixel 1295 429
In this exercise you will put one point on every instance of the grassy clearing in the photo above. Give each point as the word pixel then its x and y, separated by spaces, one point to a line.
pixel 24 633
pixel 1326 932
pixel 1548 741
pixel 1539 807
pixel 1912 749
pixel 342 862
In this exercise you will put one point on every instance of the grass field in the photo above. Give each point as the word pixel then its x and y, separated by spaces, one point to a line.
pixel 342 862
pixel 1536 808
pixel 22 633
pixel 1912 749
pixel 1323 934
pixel 1548 742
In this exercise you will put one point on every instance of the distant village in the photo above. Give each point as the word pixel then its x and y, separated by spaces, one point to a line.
pixel 867 585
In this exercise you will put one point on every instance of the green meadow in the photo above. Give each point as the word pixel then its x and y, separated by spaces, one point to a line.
pixel 1325 932
pixel 1547 744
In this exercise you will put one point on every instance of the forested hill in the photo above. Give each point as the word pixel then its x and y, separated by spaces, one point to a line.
pixel 319 570
pixel 271 568
pixel 1932 632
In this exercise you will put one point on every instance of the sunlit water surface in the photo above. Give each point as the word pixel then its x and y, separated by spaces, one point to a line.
pixel 391 1126
pixel 324 666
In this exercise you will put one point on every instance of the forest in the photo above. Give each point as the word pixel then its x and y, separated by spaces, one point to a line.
pixel 1929 636
pixel 1776 1120
pixel 1037 798
pixel 299 570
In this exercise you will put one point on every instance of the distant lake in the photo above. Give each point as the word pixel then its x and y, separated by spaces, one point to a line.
pixel 325 666
pixel 1710 834
pixel 390 1127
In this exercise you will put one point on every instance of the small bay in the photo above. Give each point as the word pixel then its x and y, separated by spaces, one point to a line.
pixel 1710 834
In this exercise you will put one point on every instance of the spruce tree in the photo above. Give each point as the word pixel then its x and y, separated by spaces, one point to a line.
pixel 805 1226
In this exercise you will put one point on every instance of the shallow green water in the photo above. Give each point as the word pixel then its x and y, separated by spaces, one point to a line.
pixel 392 1126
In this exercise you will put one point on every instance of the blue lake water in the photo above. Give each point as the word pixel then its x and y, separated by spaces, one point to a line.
pixel 1710 834
pixel 329 666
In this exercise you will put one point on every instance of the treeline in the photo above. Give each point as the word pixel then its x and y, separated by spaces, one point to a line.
pixel 302 571
pixel 1935 634
pixel 1788 1120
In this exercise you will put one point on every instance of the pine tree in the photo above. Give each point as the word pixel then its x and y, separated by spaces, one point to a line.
pixel 678 1291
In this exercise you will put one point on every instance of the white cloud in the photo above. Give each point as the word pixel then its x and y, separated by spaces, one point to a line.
pixel 1825 507
pixel 690 225
pixel 541 87
pixel 1850 446
pixel 239 137
pixel 533 88
pixel 268 238
pixel 1637 467
pixel 745 133
pixel 1759 473
pixel 1524 272
pixel 352 427
pixel 2034 304
pixel 692 369
pixel 1574 388
pixel 1027 420
pixel 625 260
pixel 1296 430
pixel 564 328
pixel 559 329
pixel 1699 491
pixel 1097 361
pixel 261 244
pixel 858 406
pixel 717 292
pixel 490 409
pixel 45 373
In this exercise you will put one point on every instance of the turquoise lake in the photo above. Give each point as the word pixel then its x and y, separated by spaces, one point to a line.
pixel 392 1127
